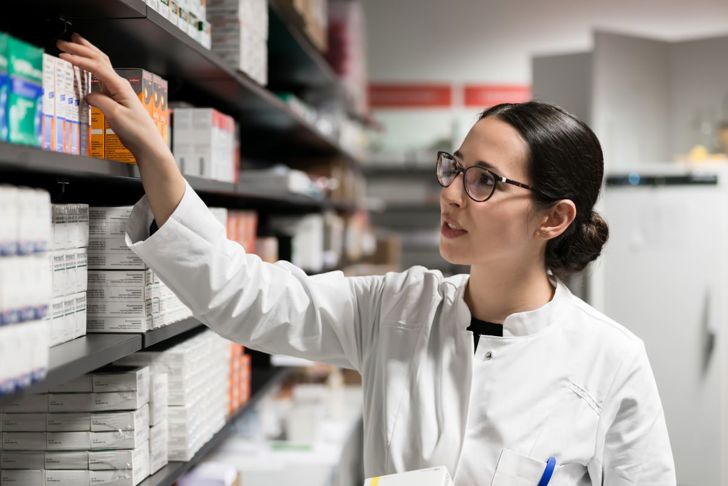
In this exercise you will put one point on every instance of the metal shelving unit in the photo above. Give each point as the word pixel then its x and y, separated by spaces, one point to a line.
pixel 156 336
pixel 195 74
pixel 295 62
pixel 82 355
pixel 135 36
pixel 89 179
pixel 92 351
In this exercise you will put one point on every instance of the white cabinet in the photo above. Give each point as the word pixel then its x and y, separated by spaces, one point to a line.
pixel 666 280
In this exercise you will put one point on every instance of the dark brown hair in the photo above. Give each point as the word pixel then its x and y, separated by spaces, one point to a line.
pixel 565 162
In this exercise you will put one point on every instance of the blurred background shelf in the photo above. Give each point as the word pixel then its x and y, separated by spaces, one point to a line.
pixel 265 381
pixel 297 65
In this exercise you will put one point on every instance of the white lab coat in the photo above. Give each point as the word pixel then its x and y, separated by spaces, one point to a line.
pixel 563 381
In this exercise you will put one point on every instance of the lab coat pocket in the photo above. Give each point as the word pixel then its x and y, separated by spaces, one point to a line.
pixel 570 475
pixel 515 469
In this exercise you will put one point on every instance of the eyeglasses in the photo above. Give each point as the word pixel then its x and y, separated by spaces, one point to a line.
pixel 478 181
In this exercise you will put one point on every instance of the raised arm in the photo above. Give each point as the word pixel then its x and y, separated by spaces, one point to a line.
pixel 275 308
pixel 162 180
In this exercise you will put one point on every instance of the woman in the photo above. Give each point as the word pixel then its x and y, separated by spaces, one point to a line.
pixel 547 378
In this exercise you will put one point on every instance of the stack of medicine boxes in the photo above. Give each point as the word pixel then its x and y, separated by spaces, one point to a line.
pixel 187 15
pixel 25 286
pixel 205 144
pixel 198 374
pixel 69 264
pixel 124 295
pixel 240 35
pixel 91 430
pixel 66 117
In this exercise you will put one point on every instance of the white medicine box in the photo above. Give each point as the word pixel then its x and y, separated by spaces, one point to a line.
pixel 434 476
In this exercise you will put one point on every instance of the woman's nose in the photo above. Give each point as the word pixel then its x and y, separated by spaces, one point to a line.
pixel 454 194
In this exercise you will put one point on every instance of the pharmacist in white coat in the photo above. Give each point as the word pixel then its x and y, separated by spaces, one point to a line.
pixel 503 376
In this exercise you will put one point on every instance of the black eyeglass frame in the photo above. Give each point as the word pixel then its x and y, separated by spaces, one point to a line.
pixel 459 169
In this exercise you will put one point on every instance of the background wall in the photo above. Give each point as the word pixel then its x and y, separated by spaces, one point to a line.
pixel 699 91
pixel 493 42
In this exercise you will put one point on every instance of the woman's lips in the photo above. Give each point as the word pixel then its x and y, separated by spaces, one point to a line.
pixel 448 231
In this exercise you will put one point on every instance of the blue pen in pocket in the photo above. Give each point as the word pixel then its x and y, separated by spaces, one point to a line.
pixel 548 472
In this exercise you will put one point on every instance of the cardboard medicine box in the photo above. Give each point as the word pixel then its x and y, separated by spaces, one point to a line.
pixel 48 123
pixel 30 477
pixel 434 476
pixel 119 379
pixel 120 421
pixel 120 459
pixel 25 95
pixel 97 134
pixel 142 82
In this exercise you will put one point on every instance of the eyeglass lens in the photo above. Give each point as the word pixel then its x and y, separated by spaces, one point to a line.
pixel 479 183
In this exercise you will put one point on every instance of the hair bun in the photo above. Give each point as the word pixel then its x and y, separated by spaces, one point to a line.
pixel 579 248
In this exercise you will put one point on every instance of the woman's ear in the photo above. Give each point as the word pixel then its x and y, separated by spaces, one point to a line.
pixel 557 219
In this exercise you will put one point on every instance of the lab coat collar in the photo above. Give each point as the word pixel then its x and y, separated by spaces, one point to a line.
pixel 522 323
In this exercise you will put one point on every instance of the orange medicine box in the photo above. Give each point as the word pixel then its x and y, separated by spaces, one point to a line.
pixel 98 123
pixel 142 82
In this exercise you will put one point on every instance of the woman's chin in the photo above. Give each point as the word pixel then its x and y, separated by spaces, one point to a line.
pixel 451 255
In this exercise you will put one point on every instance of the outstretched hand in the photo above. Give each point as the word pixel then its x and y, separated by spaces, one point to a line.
pixel 121 106
pixel 162 180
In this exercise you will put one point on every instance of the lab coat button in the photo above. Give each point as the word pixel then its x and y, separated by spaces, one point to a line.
pixel 489 355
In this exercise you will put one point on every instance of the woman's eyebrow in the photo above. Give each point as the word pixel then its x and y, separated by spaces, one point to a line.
pixel 481 163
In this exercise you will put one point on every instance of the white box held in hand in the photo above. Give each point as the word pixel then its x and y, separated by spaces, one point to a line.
pixel 434 476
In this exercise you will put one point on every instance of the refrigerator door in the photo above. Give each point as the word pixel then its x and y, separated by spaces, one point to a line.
pixel 665 281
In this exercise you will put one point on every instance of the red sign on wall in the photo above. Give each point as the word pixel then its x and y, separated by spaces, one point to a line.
pixel 388 95
pixel 486 95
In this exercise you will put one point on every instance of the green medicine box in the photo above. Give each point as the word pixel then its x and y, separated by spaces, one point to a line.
pixel 25 93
